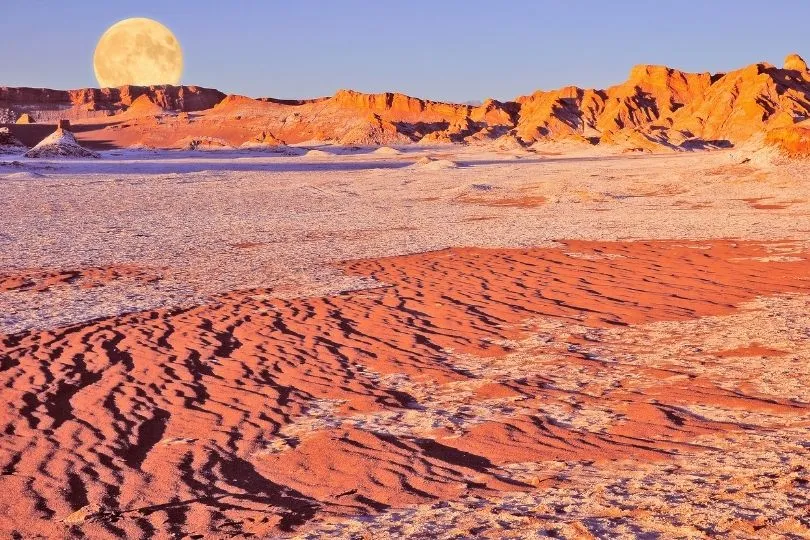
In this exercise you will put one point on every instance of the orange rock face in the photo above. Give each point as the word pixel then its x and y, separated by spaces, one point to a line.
pixel 373 130
pixel 650 94
pixel 399 105
pixel 795 62
pixel 792 141
pixel 746 102
pixel 657 108
pixel 143 105
pixel 87 103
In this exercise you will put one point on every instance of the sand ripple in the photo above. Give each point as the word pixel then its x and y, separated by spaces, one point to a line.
pixel 493 378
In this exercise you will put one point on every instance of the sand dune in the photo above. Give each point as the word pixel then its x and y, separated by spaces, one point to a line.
pixel 463 376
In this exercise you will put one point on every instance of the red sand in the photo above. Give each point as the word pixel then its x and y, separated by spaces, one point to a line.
pixel 163 422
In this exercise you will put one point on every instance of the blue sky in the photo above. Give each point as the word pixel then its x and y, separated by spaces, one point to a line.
pixel 442 49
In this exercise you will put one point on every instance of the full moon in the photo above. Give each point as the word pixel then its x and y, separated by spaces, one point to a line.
pixel 140 52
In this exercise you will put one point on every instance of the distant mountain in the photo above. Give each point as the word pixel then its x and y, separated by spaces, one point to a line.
pixel 658 108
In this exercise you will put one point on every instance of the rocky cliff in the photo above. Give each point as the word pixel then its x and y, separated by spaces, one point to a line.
pixel 44 104
pixel 656 108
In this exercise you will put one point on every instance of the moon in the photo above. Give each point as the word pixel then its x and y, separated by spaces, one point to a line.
pixel 139 52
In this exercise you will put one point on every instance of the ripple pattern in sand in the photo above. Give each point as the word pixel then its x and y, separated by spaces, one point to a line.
pixel 465 373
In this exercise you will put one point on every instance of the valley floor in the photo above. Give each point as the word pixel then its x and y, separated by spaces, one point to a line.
pixel 496 344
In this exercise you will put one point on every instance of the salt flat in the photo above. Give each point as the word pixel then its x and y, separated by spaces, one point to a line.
pixel 202 223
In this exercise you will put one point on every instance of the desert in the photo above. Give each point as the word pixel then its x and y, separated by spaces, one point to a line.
pixel 579 313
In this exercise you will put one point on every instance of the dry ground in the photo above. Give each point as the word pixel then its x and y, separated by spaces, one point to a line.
pixel 359 345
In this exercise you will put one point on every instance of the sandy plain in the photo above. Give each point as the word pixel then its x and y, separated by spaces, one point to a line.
pixel 355 343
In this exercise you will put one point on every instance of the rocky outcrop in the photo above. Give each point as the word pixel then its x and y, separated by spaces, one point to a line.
pixel 457 131
pixel 269 139
pixel 652 93
pixel 203 143
pixel 495 113
pixel 793 141
pixel 746 102
pixel 144 105
pixel 82 103
pixel 9 144
pixel 60 144
pixel 399 106
pixel 795 62
pixel 662 108
pixel 558 113
pixel 656 108
pixel 374 131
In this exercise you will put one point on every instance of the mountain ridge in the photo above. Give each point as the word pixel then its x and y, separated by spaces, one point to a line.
pixel 658 108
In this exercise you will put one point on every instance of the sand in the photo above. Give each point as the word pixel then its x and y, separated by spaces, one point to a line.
pixel 579 346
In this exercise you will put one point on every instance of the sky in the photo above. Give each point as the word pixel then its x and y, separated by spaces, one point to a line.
pixel 450 50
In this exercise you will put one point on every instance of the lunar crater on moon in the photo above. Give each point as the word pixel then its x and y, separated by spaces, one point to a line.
pixel 139 52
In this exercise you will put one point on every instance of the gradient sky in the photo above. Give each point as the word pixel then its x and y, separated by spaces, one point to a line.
pixel 454 50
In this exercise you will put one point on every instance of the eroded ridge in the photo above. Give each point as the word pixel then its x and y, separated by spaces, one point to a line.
pixel 471 383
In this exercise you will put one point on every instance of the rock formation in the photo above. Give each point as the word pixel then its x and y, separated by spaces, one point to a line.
pixel 793 141
pixel 745 102
pixel 400 106
pixel 268 138
pixel 61 143
pixel 652 93
pixel 374 131
pixel 144 105
pixel 795 62
pixel 658 108
pixel 9 144
pixel 88 103
pixel 24 118
pixel 203 143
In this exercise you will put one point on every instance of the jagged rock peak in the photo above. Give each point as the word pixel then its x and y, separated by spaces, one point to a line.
pixel 795 62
